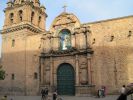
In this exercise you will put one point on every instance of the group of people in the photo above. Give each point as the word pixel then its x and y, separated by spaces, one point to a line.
pixel 44 93
pixel 125 91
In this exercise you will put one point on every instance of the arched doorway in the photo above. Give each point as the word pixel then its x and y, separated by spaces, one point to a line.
pixel 65 80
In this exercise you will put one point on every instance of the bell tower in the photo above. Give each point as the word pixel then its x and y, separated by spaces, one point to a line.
pixel 21 37
pixel 25 12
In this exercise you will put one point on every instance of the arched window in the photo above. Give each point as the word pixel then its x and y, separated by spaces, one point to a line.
pixel 21 15
pixel 39 20
pixel 13 43
pixel 32 16
pixel 11 17
pixel 13 76
pixel 35 75
pixel 22 1
pixel 65 39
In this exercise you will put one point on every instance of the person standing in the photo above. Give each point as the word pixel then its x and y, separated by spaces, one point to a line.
pixel 123 95
pixel 43 94
pixel 103 91
pixel 46 93
pixel 55 95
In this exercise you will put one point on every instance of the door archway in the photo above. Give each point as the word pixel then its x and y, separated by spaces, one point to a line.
pixel 65 80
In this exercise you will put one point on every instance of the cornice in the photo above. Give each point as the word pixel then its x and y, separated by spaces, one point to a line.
pixel 21 27
pixel 71 52
pixel 19 5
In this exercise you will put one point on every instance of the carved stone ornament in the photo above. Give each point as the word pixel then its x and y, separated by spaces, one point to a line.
pixel 47 77
pixel 64 20
pixel 83 74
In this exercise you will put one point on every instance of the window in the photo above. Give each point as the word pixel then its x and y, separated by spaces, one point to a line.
pixel 65 39
pixel 11 17
pixel 35 76
pixel 94 40
pixel 112 38
pixel 130 34
pixel 13 77
pixel 20 15
pixel 13 43
pixel 39 20
pixel 22 1
pixel 32 16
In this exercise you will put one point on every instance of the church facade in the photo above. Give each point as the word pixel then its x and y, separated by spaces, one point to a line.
pixel 74 58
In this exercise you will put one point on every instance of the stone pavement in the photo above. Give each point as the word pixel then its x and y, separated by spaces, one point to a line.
pixel 109 97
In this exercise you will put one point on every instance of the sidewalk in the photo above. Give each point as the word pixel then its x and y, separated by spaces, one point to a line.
pixel 109 97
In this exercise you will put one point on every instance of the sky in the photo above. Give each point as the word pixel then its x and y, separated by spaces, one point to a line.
pixel 85 10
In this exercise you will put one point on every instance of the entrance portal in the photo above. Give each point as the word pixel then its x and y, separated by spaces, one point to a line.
pixel 65 80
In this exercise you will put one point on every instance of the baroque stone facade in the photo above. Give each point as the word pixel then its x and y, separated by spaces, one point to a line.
pixel 74 58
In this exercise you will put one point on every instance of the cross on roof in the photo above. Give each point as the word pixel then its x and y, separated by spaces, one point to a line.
pixel 65 6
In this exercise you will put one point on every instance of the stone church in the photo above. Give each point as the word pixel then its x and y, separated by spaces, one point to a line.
pixel 74 58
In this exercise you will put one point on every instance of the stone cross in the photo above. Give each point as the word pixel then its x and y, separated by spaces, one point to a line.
pixel 65 6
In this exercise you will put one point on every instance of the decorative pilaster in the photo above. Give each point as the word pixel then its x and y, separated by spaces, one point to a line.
pixel 55 43
pixel 77 70
pixel 51 71
pixel 42 71
pixel 73 40
pixel 9 3
pixel 89 68
pixel 37 3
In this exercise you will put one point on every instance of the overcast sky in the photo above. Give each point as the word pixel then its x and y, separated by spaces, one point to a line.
pixel 85 10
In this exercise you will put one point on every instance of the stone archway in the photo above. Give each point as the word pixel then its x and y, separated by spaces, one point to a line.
pixel 65 80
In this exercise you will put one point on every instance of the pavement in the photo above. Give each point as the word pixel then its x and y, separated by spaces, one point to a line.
pixel 109 97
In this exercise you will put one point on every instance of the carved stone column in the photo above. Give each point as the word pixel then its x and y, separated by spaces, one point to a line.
pixel 88 35
pixel 73 40
pixel 42 23
pixel 47 75
pixel 55 43
pixel 27 14
pixel 51 71
pixel 42 71
pixel 77 70
pixel 36 19
pixel 89 68
pixel 83 41
pixel 7 20
pixel 16 19
pixel 48 44
pixel 83 74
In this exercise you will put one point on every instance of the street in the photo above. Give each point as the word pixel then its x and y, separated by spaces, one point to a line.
pixel 109 97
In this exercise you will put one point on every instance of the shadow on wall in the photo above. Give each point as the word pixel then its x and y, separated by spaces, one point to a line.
pixel 17 65
pixel 113 66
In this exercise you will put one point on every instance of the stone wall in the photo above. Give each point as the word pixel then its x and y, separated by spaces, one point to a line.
pixel 21 60
pixel 32 65
pixel 13 63
pixel 111 42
